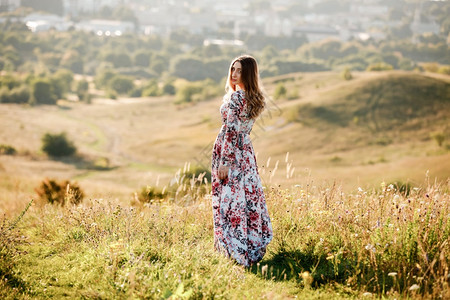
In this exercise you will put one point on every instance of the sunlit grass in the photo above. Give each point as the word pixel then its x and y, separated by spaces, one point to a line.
pixel 329 244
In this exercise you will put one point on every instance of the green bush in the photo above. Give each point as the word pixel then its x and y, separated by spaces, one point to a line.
pixel 168 89
pixel 380 67
pixel 346 74
pixel 82 89
pixel 54 192
pixel 197 91
pixel 57 145
pixel 42 92
pixel 280 92
pixel 151 89
pixel 149 194
pixel 121 84
pixel 185 93
pixel 19 95
pixel 61 82
pixel 439 137
pixel 103 77
pixel 7 150
pixel 9 81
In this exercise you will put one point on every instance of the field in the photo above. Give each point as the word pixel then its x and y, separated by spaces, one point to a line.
pixel 356 183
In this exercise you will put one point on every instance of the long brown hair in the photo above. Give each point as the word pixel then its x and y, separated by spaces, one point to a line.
pixel 250 79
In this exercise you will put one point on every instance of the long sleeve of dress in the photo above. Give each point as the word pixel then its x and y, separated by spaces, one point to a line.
pixel 228 155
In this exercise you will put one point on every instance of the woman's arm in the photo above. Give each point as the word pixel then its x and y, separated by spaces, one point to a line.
pixel 228 155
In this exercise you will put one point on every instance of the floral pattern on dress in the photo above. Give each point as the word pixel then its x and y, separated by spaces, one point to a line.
pixel 242 227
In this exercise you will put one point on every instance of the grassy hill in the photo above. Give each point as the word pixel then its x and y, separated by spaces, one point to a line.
pixel 332 241
pixel 362 127
pixel 377 126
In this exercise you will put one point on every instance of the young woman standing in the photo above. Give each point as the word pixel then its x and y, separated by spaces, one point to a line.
pixel 242 227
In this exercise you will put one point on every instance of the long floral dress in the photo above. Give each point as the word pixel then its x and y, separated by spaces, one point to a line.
pixel 242 227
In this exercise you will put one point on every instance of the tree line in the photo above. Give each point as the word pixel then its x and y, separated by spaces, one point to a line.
pixel 47 61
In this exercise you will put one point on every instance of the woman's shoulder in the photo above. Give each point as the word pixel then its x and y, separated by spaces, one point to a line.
pixel 238 97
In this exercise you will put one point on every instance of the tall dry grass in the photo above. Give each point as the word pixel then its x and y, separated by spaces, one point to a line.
pixel 390 241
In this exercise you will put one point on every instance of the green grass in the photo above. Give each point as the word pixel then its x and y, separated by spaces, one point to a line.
pixel 327 245
pixel 332 240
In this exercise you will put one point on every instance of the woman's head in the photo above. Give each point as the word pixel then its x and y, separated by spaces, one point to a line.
pixel 244 68
pixel 243 72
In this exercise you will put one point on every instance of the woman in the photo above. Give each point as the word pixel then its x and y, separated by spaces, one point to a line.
pixel 242 227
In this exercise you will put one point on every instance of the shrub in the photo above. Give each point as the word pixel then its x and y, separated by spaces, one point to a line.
pixel 136 92
pixel 121 84
pixel 81 89
pixel 151 89
pixel 62 81
pixel 103 77
pixel 42 91
pixel 16 95
pixel 280 91
pixel 62 192
pixel 149 194
pixel 185 93
pixel 168 89
pixel 7 150
pixel 444 70
pixel 439 137
pixel 346 74
pixel 57 145
pixel 20 94
pixel 379 67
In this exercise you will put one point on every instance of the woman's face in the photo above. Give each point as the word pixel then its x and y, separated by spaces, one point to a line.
pixel 236 70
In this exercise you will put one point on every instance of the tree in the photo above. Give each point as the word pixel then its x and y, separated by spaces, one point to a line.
pixel 142 58
pixel 82 89
pixel 61 82
pixel 42 91
pixel 72 61
pixel 121 84
pixel 192 69
pixel 103 77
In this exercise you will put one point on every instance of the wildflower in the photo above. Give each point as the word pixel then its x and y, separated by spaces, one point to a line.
pixel 360 189
pixel 392 274
pixel 264 270
pixel 307 278
pixel 414 287
pixel 396 198
pixel 367 294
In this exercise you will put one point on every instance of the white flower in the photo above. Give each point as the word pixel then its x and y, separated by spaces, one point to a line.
pixel 367 294
pixel 360 189
pixel 392 274
pixel 414 287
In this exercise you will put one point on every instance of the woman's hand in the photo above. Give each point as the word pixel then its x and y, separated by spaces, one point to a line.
pixel 223 172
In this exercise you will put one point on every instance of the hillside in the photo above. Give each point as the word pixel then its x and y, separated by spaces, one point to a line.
pixel 374 122
pixel 377 126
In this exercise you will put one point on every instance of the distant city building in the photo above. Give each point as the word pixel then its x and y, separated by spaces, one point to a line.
pixel 76 7
pixel 106 27
pixel 420 26
pixel 37 22
pixel 9 5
